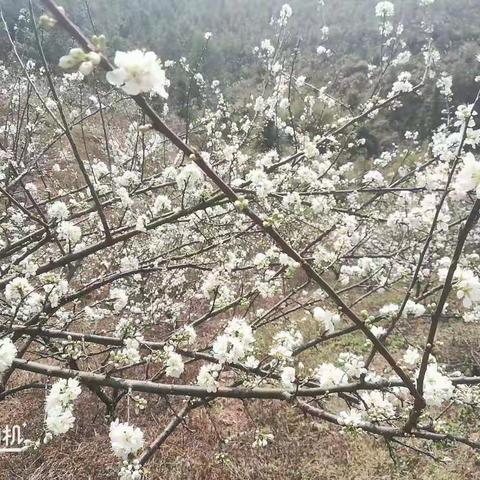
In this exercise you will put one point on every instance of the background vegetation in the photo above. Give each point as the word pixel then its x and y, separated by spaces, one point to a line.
pixel 176 28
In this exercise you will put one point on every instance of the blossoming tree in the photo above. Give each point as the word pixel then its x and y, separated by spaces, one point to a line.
pixel 189 265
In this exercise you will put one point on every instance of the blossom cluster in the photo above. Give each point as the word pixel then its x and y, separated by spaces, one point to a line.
pixel 59 406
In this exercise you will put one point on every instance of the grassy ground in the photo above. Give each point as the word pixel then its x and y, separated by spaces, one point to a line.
pixel 302 450
pixel 217 445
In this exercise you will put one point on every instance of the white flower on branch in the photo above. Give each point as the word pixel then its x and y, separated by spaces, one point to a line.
pixel 190 175
pixel 285 14
pixel 129 263
pixel 329 319
pixel 284 343
pixel 378 331
pixel 469 177
pixel 208 375
pixel 384 9
pixel 173 363
pixel 55 291
pixel 185 336
pixel 131 471
pixel 59 406
pixel 59 420
pixel 353 365
pixel 125 439
pixel 139 72
pixel 413 309
pixel 235 344
pixel 467 286
pixel 69 232
pixel 437 388
pixel 321 50
pixel 402 58
pixel 328 375
pixel 311 150
pixel 402 84
pixel 378 406
pixel 373 177
pixel 17 290
pixel 444 84
pixel 58 211
pixel 287 377
pixel 465 115
pixel 129 354
pixel 162 202
pixel 262 184
pixel 120 297
pixel 389 310
pixel 8 352
pixel 351 418
pixel 63 393
pixel 142 222
pixel 411 356
pixel 300 81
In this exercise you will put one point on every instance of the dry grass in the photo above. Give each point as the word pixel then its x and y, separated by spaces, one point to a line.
pixel 217 445
pixel 302 450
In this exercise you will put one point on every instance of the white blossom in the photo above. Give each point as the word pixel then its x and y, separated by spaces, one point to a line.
pixel 174 363
pixel 69 232
pixel 86 61
pixel 285 14
pixel 235 343
pixel 8 351
pixel 59 406
pixel 207 376
pixel 63 393
pixel 162 202
pixel 379 406
pixel 411 356
pixel 58 211
pixel 351 418
pixel 328 375
pixel 287 377
pixel 17 289
pixel 59 420
pixel 329 319
pixel 467 286
pixel 353 365
pixel 120 297
pixel 437 388
pixel 125 439
pixel 469 177
pixel 377 330
pixel 384 9
pixel 284 343
pixel 138 72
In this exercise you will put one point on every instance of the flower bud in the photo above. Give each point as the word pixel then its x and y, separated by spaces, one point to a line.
pixel 94 57
pixel 99 41
pixel 46 22
pixel 145 128
pixel 66 62
pixel 86 68
pixel 77 53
